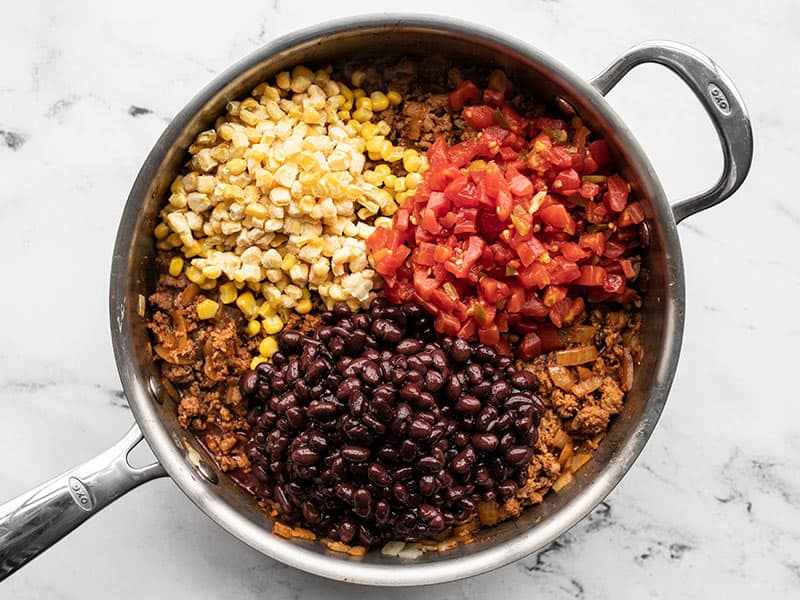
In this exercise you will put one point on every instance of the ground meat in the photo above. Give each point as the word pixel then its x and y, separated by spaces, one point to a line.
pixel 201 362
pixel 564 404
pixel 590 421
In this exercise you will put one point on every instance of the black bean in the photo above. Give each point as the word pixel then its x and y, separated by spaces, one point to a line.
pixel 419 429
pixel 248 383
pixel 321 410
pixel 524 380
pixel 485 441
pixel 355 453
pixel 433 381
pixel 408 346
pixel 461 351
pixel 362 503
pixel 304 456
pixel 485 354
pixel 518 455
pixel 468 405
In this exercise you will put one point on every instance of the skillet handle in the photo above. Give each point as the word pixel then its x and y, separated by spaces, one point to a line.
pixel 718 96
pixel 38 518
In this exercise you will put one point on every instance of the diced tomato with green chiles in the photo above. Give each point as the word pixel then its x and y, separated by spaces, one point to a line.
pixel 511 230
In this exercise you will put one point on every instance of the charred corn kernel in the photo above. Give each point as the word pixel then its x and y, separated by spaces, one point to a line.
pixel 357 78
pixel 364 103
pixel 303 306
pixel 207 309
pixel 247 304
pixel 257 210
pixel 253 328
pixel 394 97
pixel 194 275
pixel 176 266
pixel 257 360
pixel 362 115
pixel 289 260
pixel 412 161
pixel 273 324
pixel 228 292
pixel 268 347
pixel 379 101
pixel 161 231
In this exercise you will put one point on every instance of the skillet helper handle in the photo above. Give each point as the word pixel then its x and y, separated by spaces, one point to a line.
pixel 721 101
pixel 38 518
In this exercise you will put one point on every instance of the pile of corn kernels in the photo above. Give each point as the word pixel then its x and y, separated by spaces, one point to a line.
pixel 276 204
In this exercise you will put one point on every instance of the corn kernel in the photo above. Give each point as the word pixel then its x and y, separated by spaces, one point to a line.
pixel 362 115
pixel 369 130
pixel 228 292
pixel 268 347
pixel 253 328
pixel 257 360
pixel 208 285
pixel 161 231
pixel 173 240
pixel 303 306
pixel 266 310
pixel 194 275
pixel 343 115
pixel 394 97
pixel 383 170
pixel 379 101
pixel 364 103
pixel 411 161
pixel 357 78
pixel 236 165
pixel 247 304
pixel 176 266
pixel 358 93
pixel 273 324
pixel 289 260
pixel 207 309
pixel 257 210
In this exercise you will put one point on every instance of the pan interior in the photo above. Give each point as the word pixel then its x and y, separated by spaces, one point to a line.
pixel 184 458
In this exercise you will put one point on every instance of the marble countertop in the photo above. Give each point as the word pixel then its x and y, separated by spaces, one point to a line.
pixel 712 507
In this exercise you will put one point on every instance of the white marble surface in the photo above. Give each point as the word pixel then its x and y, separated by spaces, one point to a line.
pixel 711 509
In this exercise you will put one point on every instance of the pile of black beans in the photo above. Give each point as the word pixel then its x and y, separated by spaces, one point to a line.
pixel 372 429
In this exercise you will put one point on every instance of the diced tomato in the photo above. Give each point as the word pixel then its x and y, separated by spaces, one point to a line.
pixel 425 254
pixel 596 242
pixel 559 311
pixel 613 283
pixel 461 154
pixel 631 215
pixel 437 154
pixel 535 275
pixel 614 249
pixel 567 181
pixel 530 347
pixel 478 117
pixel 379 238
pixel 589 190
pixel 429 222
pixel 558 156
pixel 493 97
pixel 494 290
pixel 553 294
pixel 556 216
pixel 534 307
pixel 598 150
pixel 627 268
pixel 591 275
pixel 574 252
pixel 442 253
pixel 516 301
pixel 466 221
pixel 550 338
pixel 617 194
pixel 464 93
pixel 447 324
pixel 520 185
pixel 562 270
pixel 489 336
pixel 387 261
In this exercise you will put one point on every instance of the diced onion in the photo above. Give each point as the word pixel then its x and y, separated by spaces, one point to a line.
pixel 576 356
pixel 579 460
pixel 627 371
pixel 393 548
pixel 586 386
pixel 562 377
pixel 562 482
pixel 579 334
